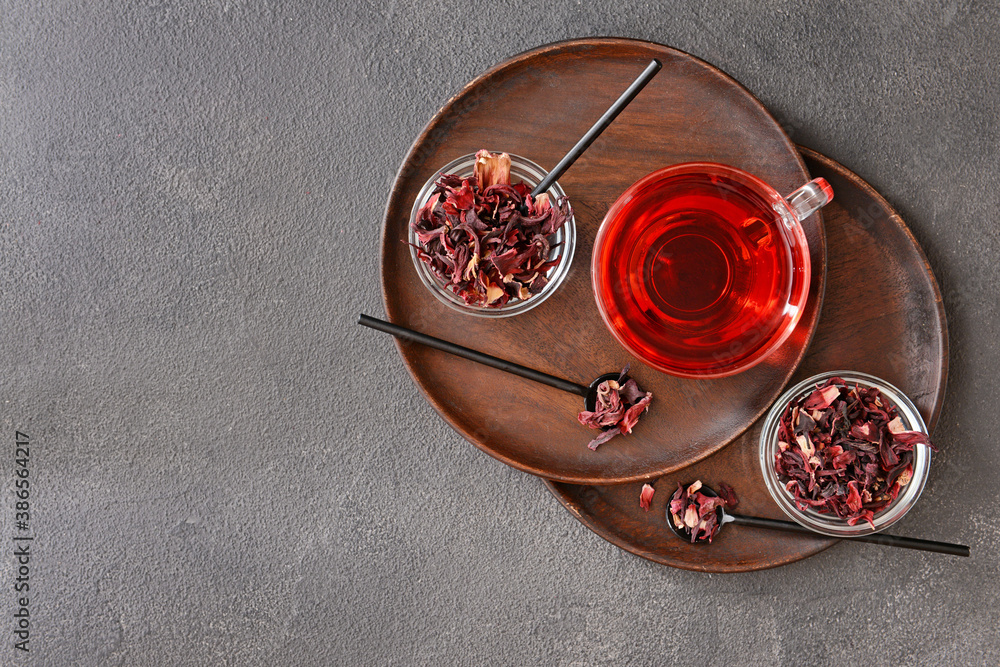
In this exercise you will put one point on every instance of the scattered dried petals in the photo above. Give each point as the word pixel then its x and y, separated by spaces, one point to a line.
pixel 604 437
pixel 646 496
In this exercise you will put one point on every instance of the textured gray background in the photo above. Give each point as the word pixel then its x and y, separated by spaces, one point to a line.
pixel 227 470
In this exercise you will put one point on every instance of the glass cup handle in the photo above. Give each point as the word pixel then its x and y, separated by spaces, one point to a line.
pixel 814 195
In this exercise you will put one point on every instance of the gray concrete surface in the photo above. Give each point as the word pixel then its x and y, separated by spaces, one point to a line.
pixel 226 470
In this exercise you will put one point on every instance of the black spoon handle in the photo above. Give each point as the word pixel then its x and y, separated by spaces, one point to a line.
pixel 877 538
pixel 473 355
pixel 602 124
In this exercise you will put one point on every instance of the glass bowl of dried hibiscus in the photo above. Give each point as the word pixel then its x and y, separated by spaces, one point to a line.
pixel 482 244
pixel 844 453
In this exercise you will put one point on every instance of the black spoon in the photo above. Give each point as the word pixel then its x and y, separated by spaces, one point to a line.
pixel 774 524
pixel 589 393
pixel 602 124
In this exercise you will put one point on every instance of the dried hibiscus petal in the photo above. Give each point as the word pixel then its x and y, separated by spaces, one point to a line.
pixel 487 240
pixel 492 169
pixel 646 496
pixel 728 494
pixel 631 416
pixel 853 497
pixel 619 405
pixel 843 450
pixel 821 398
pixel 604 437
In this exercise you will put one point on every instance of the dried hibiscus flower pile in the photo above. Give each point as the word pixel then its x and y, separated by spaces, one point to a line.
pixel 694 512
pixel 488 239
pixel 619 404
pixel 844 451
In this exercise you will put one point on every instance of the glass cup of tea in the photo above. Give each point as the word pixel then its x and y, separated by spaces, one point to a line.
pixel 702 270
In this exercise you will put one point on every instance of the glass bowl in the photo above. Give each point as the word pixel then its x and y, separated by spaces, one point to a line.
pixel 523 170
pixel 830 524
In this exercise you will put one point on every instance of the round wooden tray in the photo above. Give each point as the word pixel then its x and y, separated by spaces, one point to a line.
pixel 882 315
pixel 537 105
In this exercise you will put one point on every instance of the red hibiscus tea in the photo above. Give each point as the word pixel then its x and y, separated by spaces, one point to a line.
pixel 702 269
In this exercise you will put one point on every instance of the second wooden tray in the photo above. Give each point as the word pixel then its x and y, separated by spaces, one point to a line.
pixel 882 315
